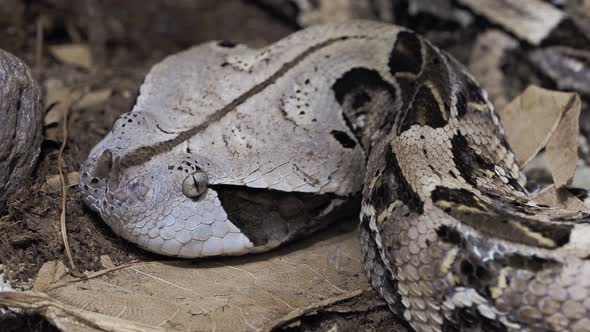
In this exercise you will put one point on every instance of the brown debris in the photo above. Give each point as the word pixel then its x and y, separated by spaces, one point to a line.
pixel 53 182
pixel 561 198
pixel 73 54
pixel 543 119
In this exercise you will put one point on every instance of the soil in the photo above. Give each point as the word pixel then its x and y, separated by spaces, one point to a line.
pixel 126 38
pixel 25 322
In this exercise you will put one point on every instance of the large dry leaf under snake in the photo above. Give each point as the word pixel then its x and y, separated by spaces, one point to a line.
pixel 240 294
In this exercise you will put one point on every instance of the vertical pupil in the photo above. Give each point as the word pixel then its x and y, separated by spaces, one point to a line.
pixel 196 183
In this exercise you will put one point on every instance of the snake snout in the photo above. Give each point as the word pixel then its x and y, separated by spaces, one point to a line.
pixel 106 168
pixel 103 165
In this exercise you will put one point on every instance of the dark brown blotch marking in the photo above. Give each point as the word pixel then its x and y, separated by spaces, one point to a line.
pixel 449 235
pixel 461 105
pixel 468 92
pixel 360 99
pixel 469 163
pixel 355 90
pixel 392 186
pixel 406 54
pixel 459 196
pixel 407 87
pixel 226 44
pixel 424 111
pixel 466 96
pixel 357 81
pixel 436 72
pixel 497 222
pixel 344 139
pixel 472 91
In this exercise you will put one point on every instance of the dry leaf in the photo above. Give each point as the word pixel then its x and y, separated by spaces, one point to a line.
pixel 562 148
pixel 49 273
pixel 248 293
pixel 531 20
pixel 93 98
pixel 560 198
pixel 106 262
pixel 58 96
pixel 68 318
pixel 56 91
pixel 73 54
pixel 540 118
pixel 53 183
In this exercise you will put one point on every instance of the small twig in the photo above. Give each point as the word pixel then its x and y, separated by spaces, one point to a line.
pixel 299 312
pixel 64 190
pixel 89 276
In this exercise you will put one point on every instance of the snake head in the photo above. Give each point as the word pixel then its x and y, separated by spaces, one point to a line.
pixel 179 203
pixel 165 208
pixel 207 163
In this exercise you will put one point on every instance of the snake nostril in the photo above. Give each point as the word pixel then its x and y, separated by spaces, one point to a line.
pixel 103 165
pixel 106 168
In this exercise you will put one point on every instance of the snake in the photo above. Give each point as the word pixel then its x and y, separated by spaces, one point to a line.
pixel 232 150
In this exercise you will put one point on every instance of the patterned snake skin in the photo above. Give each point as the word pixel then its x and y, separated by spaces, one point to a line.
pixel 231 150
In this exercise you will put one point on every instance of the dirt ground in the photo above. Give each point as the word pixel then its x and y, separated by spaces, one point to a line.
pixel 126 38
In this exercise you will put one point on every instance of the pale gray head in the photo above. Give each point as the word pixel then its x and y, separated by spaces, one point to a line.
pixel 231 150
pixel 176 204
pixel 161 202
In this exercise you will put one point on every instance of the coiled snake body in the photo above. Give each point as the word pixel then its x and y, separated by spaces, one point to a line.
pixel 231 150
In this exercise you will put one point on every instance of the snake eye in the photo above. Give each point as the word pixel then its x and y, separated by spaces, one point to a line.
pixel 195 184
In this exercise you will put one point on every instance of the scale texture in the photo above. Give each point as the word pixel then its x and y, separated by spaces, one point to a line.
pixel 231 150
